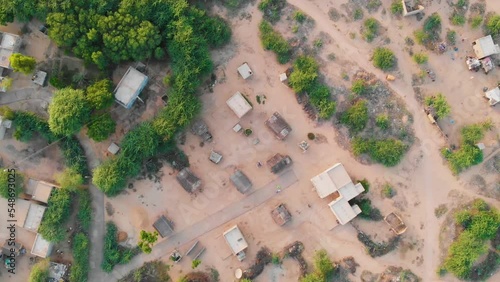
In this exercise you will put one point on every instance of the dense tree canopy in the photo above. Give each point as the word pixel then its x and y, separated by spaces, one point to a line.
pixel 16 183
pixel 305 73
pixel 22 63
pixel 99 95
pixel 40 271
pixel 69 179
pixel 55 216
pixel 68 112
pixel 101 127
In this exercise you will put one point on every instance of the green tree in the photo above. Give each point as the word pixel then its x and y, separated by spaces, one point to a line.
pixel 305 73
pixel 356 116
pixel 382 121
pixel 80 268
pixel 397 7
pixel 371 26
pixel 68 112
pixel 440 104
pixel 274 41
pixel 383 58
pixel 7 112
pixel 69 179
pixel 388 152
pixel 109 178
pixel 141 142
pixel 147 240
pixel 59 208
pixel 40 271
pixel 323 265
pixel 99 95
pixel 64 28
pixel 359 87
pixel 420 58
pixel 195 263
pixel 21 63
pixel 101 127
pixel 493 24
pixel 14 180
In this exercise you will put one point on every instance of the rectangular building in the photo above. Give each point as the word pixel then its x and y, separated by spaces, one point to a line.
pixel 239 105
pixel 236 242
pixel 129 87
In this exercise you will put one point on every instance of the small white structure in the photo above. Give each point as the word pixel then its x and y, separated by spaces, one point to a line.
pixel 113 148
pixel 245 71
pixel 336 182
pixel 409 8
pixel 485 47
pixel 4 125
pixel 29 215
pixel 39 78
pixel 9 45
pixel 39 190
pixel 237 128
pixel 493 96
pixel 236 242
pixel 283 77
pixel 239 104
pixel 41 247
pixel 215 157
pixel 129 87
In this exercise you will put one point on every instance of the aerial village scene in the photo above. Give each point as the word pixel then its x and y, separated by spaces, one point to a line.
pixel 249 140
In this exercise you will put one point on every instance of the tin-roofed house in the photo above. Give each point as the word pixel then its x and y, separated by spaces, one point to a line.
pixel 278 126
pixel 278 163
pixel 245 71
pixel 190 182
pixel 163 227
pixel 29 215
pixel 281 215
pixel 241 182
pixel 485 47
pixel 129 87
pixel 41 247
pixel 4 125
pixel 493 96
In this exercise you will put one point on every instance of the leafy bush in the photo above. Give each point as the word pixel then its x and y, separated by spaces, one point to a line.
pixel 382 121
pixel 113 253
pixel 388 191
pixel 319 96
pixel 59 208
pixel 358 87
pixel 367 210
pixel 4 183
pixel 29 123
pixel 475 21
pixel 421 37
pixel 439 104
pixel 420 58
pixel 383 58
pixel 99 95
pixel 465 157
pixel 358 14
pixel 69 179
pixel 84 215
pixel 451 37
pixel 457 19
pixel 21 63
pixel 272 40
pixel 272 9
pixel 40 271
pixel 365 184
pixel 68 112
pixel 323 265
pixel 74 155
pixel 299 16
pixel 493 24
pixel 147 239
pixel 397 7
pixel 101 127
pixel 472 134
pixel 432 24
pixel 7 112
pixel 371 29
pixel 304 75
pixel 388 152
pixel 80 268
pixel 356 116
pixel 141 142
pixel 109 177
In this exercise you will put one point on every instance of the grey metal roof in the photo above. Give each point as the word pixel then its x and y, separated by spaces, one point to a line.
pixel 241 181
pixel 188 180
pixel 163 226
pixel 279 126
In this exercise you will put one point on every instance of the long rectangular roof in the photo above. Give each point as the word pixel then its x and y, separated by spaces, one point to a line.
pixel 8 45
pixel 235 239
pixel 162 225
pixel 129 87
pixel 41 247
pixel 241 181
pixel 239 104
pixel 484 47
pixel 343 210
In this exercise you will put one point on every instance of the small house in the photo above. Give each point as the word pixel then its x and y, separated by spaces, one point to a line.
pixel 281 215
pixel 485 47
pixel 241 182
pixel 493 96
pixel 245 71
pixel 237 243
pixel 29 215
pixel 39 78
pixel 129 87
pixel 215 157
pixel 239 104
pixel 278 163
pixel 163 227
pixel 9 44
pixel 200 128
pixel 39 190
pixel 41 247
pixel 278 126
pixel 188 180
pixel 4 125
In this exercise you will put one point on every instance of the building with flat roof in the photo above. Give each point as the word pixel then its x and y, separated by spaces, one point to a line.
pixel 281 215
pixel 41 247
pixel 239 104
pixel 493 96
pixel 485 47
pixel 29 215
pixel 241 181
pixel 129 87
pixel 9 44
pixel 336 183
pixel 245 71
pixel 236 241
pixel 39 190
pixel 278 126
pixel 4 125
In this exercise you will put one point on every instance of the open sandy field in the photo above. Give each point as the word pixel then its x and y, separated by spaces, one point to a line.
pixel 422 180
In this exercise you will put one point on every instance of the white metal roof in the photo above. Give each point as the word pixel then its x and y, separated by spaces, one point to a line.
pixel 129 87
pixel 41 247
pixel 343 211
pixel 235 240
pixel 485 47
pixel 331 180
pixel 245 71
pixel 493 95
pixel 239 104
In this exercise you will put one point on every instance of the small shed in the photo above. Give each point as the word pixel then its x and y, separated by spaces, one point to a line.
pixel 215 157
pixel 241 181
pixel 397 225
pixel 237 127
pixel 39 78
pixel 188 180
pixel 245 71
pixel 278 126
pixel 234 238
pixel 485 47
pixel 4 125
pixel 113 148
pixel 41 247
pixel 283 77
pixel 493 96
pixel 129 87
pixel 200 128
pixel 163 227
pixel 57 271
pixel 239 104
pixel 39 190
pixel 278 163
pixel 281 215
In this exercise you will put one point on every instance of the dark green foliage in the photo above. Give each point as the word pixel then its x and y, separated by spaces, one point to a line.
pixel 397 7
pixel 440 105
pixel 74 155
pixel 356 116
pixel 109 178
pixel 371 27
pixel 305 73
pixel 40 271
pixel 28 124
pixel 451 37
pixel 84 214
pixel 358 87
pixel 215 30
pixel 365 184
pixel 432 24
pixel 272 40
pixel 383 58
pixel 493 24
pixel 101 127
pixel 80 268
pixel 16 183
pixel 299 16
pixel 367 210
pixel 99 95
pixel 388 152
pixel 52 227
pixel 272 9
pixel 141 142
pixel 113 253
pixel 68 111
pixel 319 96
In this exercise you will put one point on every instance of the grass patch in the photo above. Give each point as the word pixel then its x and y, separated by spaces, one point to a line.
pixel 272 9
pixel 440 210
pixel 359 87
pixel 382 121
pixel 388 191
pixel 420 58
pixel 299 16
pixel 371 27
pixel 397 7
